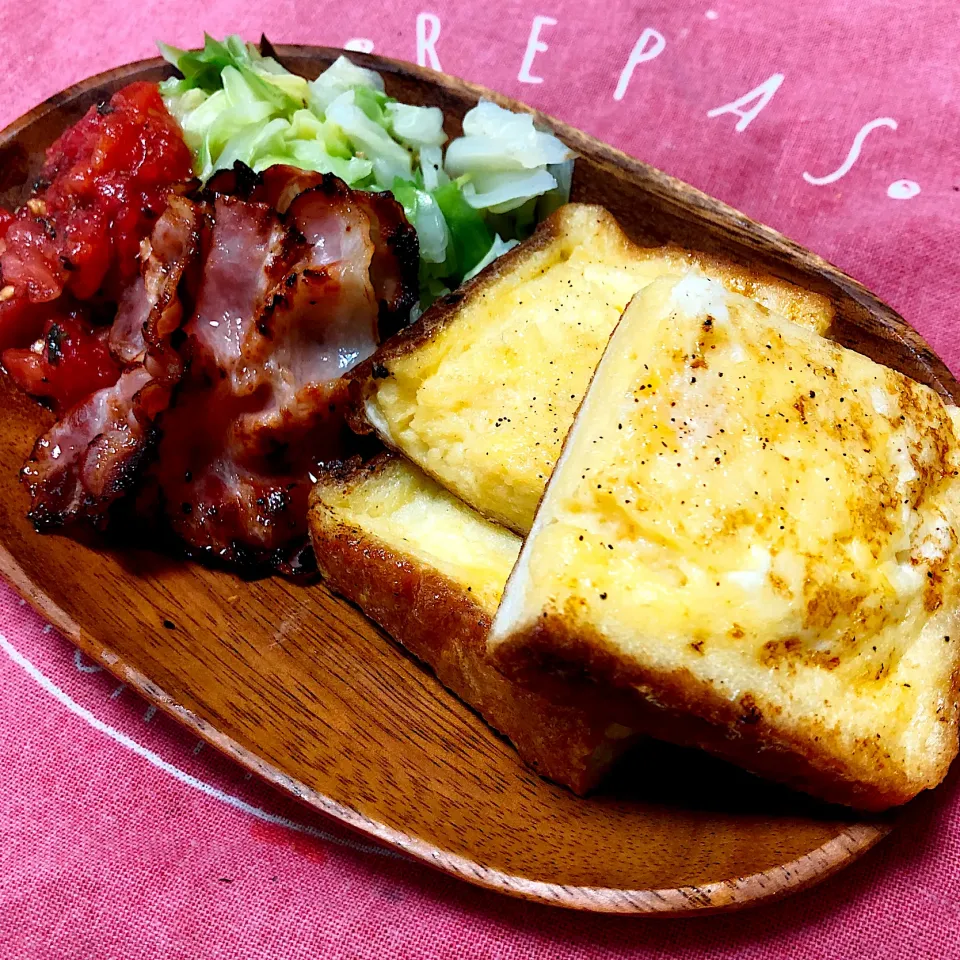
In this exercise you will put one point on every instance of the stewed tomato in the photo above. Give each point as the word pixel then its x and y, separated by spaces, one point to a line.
pixel 104 183
pixel 68 363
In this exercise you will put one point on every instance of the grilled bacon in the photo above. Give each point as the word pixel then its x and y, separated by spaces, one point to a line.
pixel 254 298
pixel 93 454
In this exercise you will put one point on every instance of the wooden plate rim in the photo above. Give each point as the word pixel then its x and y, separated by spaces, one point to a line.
pixel 734 893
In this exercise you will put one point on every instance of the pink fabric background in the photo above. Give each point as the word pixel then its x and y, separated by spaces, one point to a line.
pixel 121 838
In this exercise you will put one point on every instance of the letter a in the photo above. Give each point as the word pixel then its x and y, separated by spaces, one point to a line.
pixel 762 95
pixel 426 42
pixel 640 53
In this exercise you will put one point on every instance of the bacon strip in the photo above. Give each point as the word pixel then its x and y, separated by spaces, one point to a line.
pixel 249 310
pixel 151 309
pixel 251 250
pixel 92 455
pixel 265 397
pixel 396 258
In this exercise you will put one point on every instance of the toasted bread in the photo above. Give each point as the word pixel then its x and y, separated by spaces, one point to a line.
pixel 481 391
pixel 757 531
pixel 430 571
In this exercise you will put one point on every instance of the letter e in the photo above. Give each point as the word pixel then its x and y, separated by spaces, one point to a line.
pixel 534 46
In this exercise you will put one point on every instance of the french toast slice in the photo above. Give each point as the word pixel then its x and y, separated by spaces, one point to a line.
pixel 755 530
pixel 481 391
pixel 430 571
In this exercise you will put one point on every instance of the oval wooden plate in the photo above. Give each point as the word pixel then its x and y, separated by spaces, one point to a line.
pixel 296 685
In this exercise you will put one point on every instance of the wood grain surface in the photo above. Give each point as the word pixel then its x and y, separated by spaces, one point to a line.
pixel 296 685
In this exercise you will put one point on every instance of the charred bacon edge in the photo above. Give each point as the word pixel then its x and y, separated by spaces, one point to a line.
pixel 395 246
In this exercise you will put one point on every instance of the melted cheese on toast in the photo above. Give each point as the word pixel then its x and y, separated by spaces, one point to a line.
pixel 748 515
pixel 484 401
pixel 414 516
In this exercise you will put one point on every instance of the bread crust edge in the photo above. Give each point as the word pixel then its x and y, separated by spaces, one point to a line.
pixel 679 708
pixel 563 736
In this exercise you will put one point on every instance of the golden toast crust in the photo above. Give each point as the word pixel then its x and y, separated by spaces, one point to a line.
pixel 565 737
pixel 676 707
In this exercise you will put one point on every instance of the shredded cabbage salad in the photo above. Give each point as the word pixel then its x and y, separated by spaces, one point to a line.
pixel 469 203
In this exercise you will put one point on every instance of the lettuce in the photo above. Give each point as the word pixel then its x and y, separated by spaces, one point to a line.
pixel 416 126
pixel 468 206
pixel 338 78
pixel 507 159
pixel 371 139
